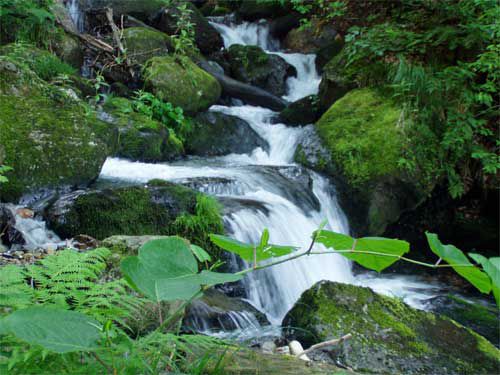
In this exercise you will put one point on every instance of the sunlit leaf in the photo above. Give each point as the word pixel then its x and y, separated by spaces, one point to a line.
pixel 200 254
pixel 460 263
pixel 60 331
pixel 386 251
pixel 166 270
pixel 492 268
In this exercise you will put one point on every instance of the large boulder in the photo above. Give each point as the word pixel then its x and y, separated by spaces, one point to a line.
pixel 216 134
pixel 206 38
pixel 365 142
pixel 159 208
pixel 311 38
pixel 301 112
pixel 388 336
pixel 144 43
pixel 49 137
pixel 253 10
pixel 335 83
pixel 139 137
pixel 143 10
pixel 250 64
pixel 181 82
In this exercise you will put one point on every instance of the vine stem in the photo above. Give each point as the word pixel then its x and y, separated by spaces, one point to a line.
pixel 309 252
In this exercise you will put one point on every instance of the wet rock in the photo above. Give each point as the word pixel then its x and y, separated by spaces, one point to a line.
pixel 41 126
pixel 481 318
pixel 9 235
pixel 250 64
pixel 252 10
pixel 138 136
pixel 144 43
pixel 127 245
pixel 247 93
pixel 215 312
pixel 280 26
pixel 334 82
pixel 179 81
pixel 268 347
pixel 387 335
pixel 311 38
pixel 143 10
pixel 159 208
pixel 216 134
pixel 301 112
pixel 207 39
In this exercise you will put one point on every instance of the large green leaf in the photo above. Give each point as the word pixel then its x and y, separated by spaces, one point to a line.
pixel 460 263
pixel 60 331
pixel 166 270
pixel 492 268
pixel 200 254
pixel 388 251
pixel 263 250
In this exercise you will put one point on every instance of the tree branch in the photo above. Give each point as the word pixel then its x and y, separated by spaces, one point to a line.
pixel 323 344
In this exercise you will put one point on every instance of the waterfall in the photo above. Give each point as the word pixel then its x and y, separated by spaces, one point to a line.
pixel 76 14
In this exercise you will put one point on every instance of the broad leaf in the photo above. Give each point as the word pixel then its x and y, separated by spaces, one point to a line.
pixel 492 268
pixel 460 263
pixel 200 254
pixel 60 331
pixel 166 270
pixel 246 251
pixel 388 251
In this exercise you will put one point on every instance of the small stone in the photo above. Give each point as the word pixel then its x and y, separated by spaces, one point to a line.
pixel 25 213
pixel 296 348
pixel 268 347
pixel 283 350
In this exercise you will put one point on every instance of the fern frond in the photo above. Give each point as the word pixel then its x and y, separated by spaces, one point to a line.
pixel 15 293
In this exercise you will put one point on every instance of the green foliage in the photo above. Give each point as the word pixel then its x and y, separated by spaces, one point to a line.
pixel 166 270
pixel 60 331
pixel 441 59
pixel 164 112
pixel 492 268
pixel 26 20
pixel 3 170
pixel 382 247
pixel 183 38
pixel 252 252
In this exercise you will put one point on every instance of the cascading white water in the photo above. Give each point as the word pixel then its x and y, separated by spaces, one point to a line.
pixel 265 180
pixel 277 203
pixel 76 14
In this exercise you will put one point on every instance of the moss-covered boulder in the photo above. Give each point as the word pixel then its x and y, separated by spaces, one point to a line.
pixel 364 138
pixel 160 208
pixel 206 38
pixel 143 10
pixel 311 38
pixel 181 82
pixel 140 137
pixel 68 48
pixel 253 10
pixel 143 43
pixel 388 336
pixel 250 64
pixel 301 112
pixel 50 138
pixel 335 82
pixel 216 134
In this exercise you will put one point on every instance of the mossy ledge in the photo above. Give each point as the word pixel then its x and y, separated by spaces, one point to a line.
pixel 158 208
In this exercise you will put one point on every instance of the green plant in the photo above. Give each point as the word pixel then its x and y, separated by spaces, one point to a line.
pixel 99 82
pixel 3 170
pixel 26 20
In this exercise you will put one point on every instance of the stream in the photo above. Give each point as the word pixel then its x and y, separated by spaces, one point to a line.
pixel 266 189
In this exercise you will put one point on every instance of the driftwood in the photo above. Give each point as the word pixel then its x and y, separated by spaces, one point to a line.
pixel 323 344
pixel 117 38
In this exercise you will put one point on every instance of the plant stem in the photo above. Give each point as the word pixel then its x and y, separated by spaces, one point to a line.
pixel 108 369
pixel 166 323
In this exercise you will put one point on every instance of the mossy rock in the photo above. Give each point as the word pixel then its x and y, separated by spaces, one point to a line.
pixel 143 10
pixel 181 82
pixel 216 134
pixel 144 43
pixel 388 336
pixel 253 10
pixel 139 137
pixel 250 64
pixel 312 38
pixel 160 208
pixel 49 138
pixel 68 48
pixel 365 142
pixel 301 112
pixel 335 82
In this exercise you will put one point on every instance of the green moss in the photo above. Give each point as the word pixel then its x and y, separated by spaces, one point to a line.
pixel 161 208
pixel 143 43
pixel 361 131
pixel 46 65
pixel 388 335
pixel 179 81
pixel 49 138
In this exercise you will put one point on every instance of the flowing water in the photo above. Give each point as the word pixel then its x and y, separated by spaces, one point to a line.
pixel 271 192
